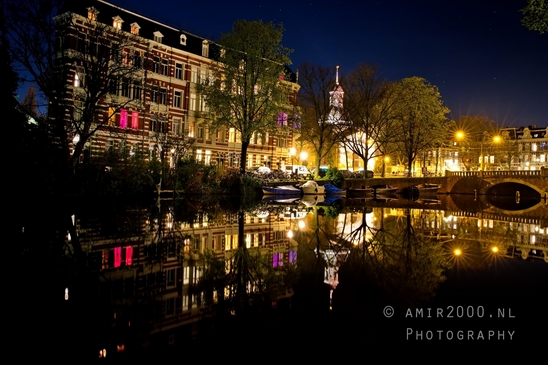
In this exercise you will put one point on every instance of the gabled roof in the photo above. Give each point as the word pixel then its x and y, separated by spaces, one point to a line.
pixel 147 27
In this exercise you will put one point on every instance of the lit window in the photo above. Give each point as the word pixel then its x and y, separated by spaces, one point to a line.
pixel 158 37
pixel 92 13
pixel 191 130
pixel 79 77
pixel 117 256
pixel 123 118
pixel 135 28
pixel 134 120
pixel 194 75
pixel 129 255
pixel 111 116
pixel 182 39
pixel 207 157
pixel 192 102
pixel 176 126
pixel 199 155
pixel 117 22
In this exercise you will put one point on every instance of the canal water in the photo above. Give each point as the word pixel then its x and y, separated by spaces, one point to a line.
pixel 188 279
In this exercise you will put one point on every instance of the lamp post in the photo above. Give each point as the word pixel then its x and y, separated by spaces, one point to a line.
pixel 384 162
pixel 459 135
pixel 292 153
pixel 303 156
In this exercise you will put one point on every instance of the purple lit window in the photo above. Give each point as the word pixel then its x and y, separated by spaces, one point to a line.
pixel 277 259
pixel 123 118
pixel 292 256
pixel 117 256
pixel 282 119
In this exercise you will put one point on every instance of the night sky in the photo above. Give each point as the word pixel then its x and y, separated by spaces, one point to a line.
pixel 477 52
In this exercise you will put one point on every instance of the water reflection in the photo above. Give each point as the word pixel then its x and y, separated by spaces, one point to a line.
pixel 180 271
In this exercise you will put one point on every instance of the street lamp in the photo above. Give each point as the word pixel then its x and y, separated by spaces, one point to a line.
pixel 292 153
pixel 460 135
pixel 496 139
pixel 384 162
pixel 304 156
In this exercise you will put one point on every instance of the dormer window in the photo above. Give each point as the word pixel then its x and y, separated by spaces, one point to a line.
pixel 92 13
pixel 205 48
pixel 135 28
pixel 182 39
pixel 158 37
pixel 117 22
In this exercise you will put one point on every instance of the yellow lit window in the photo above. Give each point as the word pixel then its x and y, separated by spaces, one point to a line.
pixel 111 116
pixel 135 28
pixel 92 13
pixel 117 22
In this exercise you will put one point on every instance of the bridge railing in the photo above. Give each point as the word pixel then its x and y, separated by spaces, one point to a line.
pixel 542 172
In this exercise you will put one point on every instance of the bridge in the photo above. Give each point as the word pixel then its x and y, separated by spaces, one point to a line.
pixel 528 183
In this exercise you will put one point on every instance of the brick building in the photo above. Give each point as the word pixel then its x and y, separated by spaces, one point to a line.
pixel 155 106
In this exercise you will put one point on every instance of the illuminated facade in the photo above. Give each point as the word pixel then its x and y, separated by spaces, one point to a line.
pixel 158 108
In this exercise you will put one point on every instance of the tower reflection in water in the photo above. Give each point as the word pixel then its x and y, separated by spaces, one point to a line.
pixel 163 272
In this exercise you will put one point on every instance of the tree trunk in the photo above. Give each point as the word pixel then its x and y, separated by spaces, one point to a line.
pixel 243 157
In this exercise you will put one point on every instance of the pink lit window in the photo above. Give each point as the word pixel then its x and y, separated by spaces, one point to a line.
pixel 123 118
pixel 129 255
pixel 134 120
pixel 117 256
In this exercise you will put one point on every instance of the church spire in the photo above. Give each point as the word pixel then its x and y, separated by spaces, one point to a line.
pixel 337 76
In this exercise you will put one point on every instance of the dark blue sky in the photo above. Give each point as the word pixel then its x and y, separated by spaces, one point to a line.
pixel 476 52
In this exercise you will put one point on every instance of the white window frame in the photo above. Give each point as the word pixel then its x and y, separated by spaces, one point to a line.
pixel 205 48
pixel 157 36
pixel 179 70
pixel 176 125
pixel 134 28
pixel 178 99
pixel 117 22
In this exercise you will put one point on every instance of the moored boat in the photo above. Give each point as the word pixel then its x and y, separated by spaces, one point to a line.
pixel 312 188
pixel 281 190
pixel 331 189
pixel 428 188
pixel 385 190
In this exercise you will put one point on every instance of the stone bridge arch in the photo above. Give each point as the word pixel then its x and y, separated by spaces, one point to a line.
pixel 497 182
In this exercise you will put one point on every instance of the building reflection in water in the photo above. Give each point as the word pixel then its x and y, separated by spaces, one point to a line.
pixel 163 269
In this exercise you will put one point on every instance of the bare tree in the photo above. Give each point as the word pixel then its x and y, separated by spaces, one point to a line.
pixel 321 124
pixel 369 104
pixel 84 74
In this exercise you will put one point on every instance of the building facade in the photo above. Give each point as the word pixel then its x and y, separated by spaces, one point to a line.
pixel 156 108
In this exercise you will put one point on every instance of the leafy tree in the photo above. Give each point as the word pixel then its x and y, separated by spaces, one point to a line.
pixel 369 104
pixel 320 126
pixel 536 15
pixel 420 118
pixel 245 88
